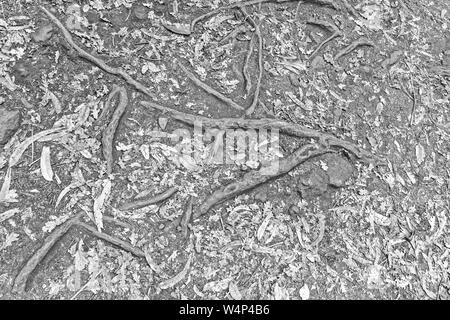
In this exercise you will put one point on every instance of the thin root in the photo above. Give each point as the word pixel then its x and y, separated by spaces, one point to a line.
pixel 21 280
pixel 253 179
pixel 285 127
pixel 208 89
pixel 140 203
pixel 352 46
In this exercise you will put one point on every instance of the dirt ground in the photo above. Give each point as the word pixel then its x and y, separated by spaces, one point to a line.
pixel 365 219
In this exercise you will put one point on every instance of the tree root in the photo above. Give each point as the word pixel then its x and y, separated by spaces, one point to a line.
pixel 186 218
pixel 328 26
pixel 97 61
pixel 140 203
pixel 255 99
pixel 109 132
pixel 253 179
pixel 245 72
pixel 208 89
pixel 285 127
pixel 112 240
pixel 21 280
pixel 352 46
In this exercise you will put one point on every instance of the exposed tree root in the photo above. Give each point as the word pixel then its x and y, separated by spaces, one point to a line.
pixel 255 99
pixel 253 179
pixel 112 240
pixel 328 26
pixel 241 4
pixel 208 89
pixel 21 280
pixel 186 218
pixel 109 132
pixel 140 203
pixel 352 46
pixel 245 72
pixel 285 127
pixel 96 61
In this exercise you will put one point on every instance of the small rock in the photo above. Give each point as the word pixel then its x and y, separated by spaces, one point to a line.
pixel 43 33
pixel 294 210
pixel 313 182
pixel 163 122
pixel 9 123
pixel 339 170
pixel 294 80
pixel 261 195
pixel 140 12
pixel 317 62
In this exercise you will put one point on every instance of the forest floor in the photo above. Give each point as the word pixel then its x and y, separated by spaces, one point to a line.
pixel 102 197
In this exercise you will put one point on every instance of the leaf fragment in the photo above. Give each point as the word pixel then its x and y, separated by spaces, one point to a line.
pixel 46 166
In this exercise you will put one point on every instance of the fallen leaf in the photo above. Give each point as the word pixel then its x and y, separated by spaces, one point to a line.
pixel 304 292
pixel 99 203
pixel 5 186
pixel 234 291
pixel 46 166
pixel 420 153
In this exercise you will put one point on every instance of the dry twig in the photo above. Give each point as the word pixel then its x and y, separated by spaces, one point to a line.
pixel 330 27
pixel 186 218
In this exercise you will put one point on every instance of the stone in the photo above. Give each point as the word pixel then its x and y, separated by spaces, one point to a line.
pixel 313 181
pixel 9 123
pixel 339 170
pixel 261 195
pixel 43 33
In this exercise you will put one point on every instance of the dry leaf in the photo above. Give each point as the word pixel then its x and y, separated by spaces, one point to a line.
pixel 304 292
pixel 234 291
pixel 180 276
pixel 178 28
pixel 5 187
pixel 420 153
pixel 99 203
pixel 46 167
pixel 8 214
pixel 20 149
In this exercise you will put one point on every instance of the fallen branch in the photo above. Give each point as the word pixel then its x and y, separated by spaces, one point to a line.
pixel 253 179
pixel 208 89
pixel 97 61
pixel 285 127
pixel 109 132
pixel 352 46
pixel 21 280
pixel 140 203
pixel 255 99
pixel 112 240
pixel 328 26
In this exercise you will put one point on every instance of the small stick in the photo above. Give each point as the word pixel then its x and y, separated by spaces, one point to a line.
pixel 255 99
pixel 21 280
pixel 140 203
pixel 113 240
pixel 186 218
pixel 109 132
pixel 285 127
pixel 352 46
pixel 97 61
pixel 208 89
pixel 232 34
pixel 253 179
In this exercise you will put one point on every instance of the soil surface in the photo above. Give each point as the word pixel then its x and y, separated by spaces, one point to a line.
pixel 77 147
